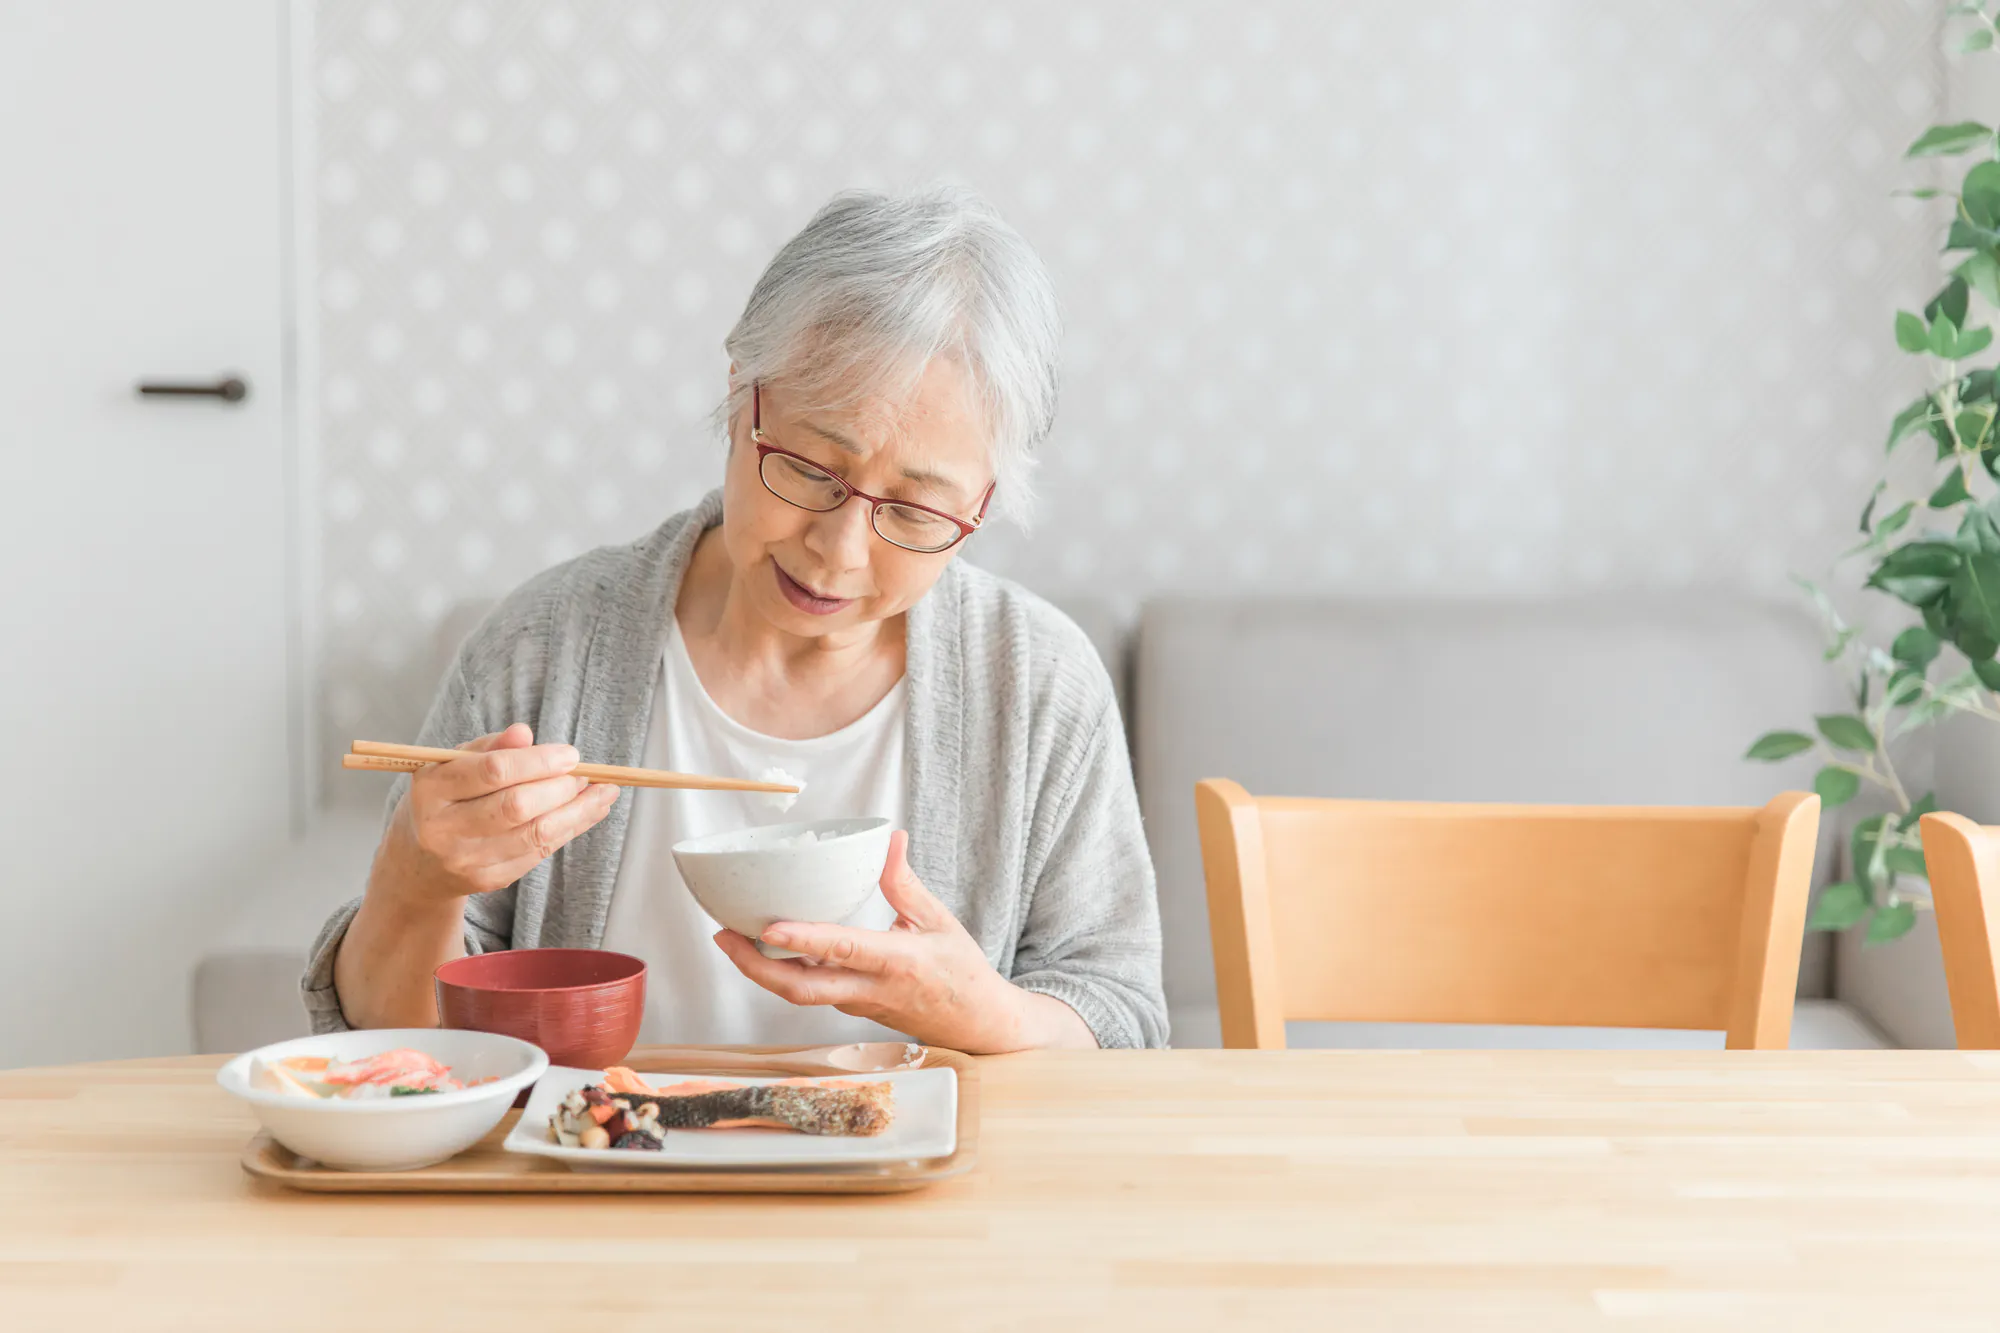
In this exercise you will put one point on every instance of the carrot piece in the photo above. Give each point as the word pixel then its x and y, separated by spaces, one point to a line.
pixel 603 1113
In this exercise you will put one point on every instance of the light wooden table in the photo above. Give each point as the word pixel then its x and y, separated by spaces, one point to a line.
pixel 1543 1190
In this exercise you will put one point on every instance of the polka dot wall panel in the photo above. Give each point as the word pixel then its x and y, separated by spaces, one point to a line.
pixel 1452 298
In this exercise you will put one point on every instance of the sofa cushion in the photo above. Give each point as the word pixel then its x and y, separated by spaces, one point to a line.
pixel 246 998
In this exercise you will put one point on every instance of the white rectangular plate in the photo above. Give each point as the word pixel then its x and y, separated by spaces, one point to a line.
pixel 926 1126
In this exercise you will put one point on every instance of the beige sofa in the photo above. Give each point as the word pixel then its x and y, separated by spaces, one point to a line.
pixel 1593 700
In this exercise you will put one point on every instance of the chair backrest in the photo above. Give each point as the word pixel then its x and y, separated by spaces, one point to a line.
pixel 1632 699
pixel 1392 911
pixel 1963 862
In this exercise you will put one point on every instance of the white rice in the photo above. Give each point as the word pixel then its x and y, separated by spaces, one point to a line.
pixel 781 801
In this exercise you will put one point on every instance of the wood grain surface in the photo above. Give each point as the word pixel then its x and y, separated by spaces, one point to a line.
pixel 1188 1189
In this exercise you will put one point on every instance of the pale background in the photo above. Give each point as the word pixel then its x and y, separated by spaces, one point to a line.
pixel 1447 304
pixel 1451 298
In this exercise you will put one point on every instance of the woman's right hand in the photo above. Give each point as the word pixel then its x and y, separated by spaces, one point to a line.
pixel 478 824
pixel 466 826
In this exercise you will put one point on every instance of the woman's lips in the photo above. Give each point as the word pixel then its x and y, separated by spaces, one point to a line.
pixel 805 599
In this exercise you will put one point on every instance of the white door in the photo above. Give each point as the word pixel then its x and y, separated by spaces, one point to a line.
pixel 143 668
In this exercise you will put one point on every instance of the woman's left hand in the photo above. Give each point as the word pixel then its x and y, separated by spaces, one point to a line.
pixel 925 976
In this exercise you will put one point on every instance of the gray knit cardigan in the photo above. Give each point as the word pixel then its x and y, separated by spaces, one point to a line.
pixel 1022 815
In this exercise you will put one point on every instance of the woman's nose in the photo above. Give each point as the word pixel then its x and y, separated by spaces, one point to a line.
pixel 841 537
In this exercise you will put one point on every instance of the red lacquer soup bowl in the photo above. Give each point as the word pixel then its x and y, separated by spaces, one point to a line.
pixel 582 1006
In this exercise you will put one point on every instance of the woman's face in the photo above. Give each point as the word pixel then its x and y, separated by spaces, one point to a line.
pixel 815 574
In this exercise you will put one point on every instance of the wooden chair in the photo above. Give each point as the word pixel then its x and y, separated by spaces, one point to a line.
pixel 1387 911
pixel 1963 860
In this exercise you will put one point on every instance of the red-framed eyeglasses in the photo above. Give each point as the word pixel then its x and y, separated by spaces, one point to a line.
pixel 797 480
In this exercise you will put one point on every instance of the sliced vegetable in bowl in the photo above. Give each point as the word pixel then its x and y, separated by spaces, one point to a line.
pixel 402 1072
pixel 383 1100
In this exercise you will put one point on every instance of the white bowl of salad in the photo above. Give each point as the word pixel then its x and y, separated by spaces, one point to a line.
pixel 393 1099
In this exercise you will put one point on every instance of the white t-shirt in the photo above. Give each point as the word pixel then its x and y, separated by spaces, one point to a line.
pixel 694 994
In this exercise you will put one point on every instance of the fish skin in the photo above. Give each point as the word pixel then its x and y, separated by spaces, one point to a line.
pixel 863 1109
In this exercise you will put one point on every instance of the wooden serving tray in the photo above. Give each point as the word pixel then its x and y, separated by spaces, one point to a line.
pixel 486 1168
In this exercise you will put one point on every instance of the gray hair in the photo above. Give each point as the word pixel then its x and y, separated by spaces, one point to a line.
pixel 876 287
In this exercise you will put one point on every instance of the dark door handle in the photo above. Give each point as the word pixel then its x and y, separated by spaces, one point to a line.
pixel 229 389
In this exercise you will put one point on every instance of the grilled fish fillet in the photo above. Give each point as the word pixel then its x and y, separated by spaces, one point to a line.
pixel 827 1107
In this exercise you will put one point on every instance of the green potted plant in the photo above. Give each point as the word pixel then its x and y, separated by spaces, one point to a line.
pixel 1931 549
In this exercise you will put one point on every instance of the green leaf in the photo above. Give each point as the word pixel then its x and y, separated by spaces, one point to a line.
pixel 1976 387
pixel 1988 672
pixel 1911 335
pixel 1944 140
pixel 1977 643
pixel 1979 39
pixel 1939 559
pixel 1906 861
pixel 1904 688
pixel 1894 520
pixel 1950 300
pixel 1966 236
pixel 1839 906
pixel 1943 336
pixel 1913 590
pixel 1916 646
pixel 1975 599
pixel 1847 732
pixel 1981 272
pixel 1971 342
pixel 1974 423
pixel 1891 923
pixel 1950 491
pixel 1775 745
pixel 1918 572
pixel 1925 713
pixel 1836 786
pixel 1908 420
pixel 1925 193
pixel 1978 531
pixel 1980 197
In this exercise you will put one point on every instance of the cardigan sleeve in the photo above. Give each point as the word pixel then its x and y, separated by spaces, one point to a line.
pixel 1091 937
pixel 454 719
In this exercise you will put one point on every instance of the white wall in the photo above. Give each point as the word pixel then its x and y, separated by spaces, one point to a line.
pixel 1443 298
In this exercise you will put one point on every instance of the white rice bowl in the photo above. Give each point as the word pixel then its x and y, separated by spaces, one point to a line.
pixel 820 871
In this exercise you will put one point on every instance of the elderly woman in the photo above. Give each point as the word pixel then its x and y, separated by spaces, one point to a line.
pixel 890 377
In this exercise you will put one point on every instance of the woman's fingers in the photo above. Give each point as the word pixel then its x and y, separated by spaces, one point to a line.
pixel 487 771
pixel 510 738
pixel 790 979
pixel 538 838
pixel 904 891
pixel 858 950
pixel 503 811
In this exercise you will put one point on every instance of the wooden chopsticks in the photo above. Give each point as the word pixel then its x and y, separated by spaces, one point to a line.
pixel 383 757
